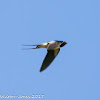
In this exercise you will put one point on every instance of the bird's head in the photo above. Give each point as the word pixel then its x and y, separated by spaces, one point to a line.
pixel 63 43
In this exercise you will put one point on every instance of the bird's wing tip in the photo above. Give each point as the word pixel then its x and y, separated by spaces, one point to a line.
pixel 40 70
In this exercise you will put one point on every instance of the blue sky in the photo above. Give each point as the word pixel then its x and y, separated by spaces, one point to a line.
pixel 75 73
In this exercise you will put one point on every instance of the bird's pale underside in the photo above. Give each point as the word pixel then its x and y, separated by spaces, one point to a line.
pixel 53 48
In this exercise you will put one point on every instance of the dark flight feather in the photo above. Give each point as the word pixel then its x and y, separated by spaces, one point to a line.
pixel 51 54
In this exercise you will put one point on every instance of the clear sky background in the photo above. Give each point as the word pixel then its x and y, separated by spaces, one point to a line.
pixel 75 73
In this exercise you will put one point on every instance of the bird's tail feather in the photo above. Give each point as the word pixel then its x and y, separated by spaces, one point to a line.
pixel 37 46
pixel 29 45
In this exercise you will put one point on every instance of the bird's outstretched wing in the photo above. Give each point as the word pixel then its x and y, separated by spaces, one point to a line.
pixel 51 54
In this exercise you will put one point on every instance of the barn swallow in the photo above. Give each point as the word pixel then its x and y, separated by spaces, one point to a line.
pixel 53 48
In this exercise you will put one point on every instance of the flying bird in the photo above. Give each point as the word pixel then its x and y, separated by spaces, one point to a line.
pixel 53 48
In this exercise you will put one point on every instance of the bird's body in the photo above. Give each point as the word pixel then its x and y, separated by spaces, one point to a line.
pixel 53 48
pixel 46 45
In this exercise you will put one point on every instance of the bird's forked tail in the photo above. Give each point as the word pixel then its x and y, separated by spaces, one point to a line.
pixel 37 46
